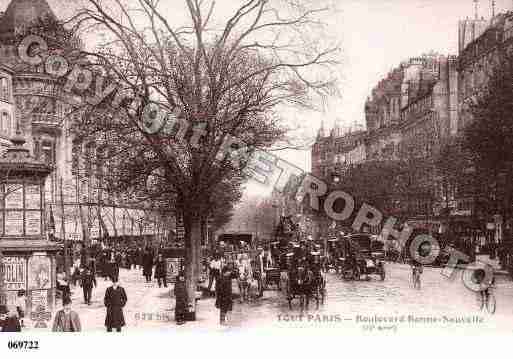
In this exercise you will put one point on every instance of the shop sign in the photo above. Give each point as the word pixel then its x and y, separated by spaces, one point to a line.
pixel 14 196
pixel 33 197
pixel 33 223
pixel 14 273
pixel 14 223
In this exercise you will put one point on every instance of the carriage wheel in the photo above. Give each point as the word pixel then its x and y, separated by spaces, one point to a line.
pixel 356 274
pixel 289 296
pixel 348 275
pixel 382 273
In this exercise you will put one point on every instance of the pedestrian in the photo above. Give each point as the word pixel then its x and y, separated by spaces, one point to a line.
pixel 76 275
pixel 139 257
pixel 147 262
pixel 259 273
pixel 161 271
pixel 180 299
pixel 10 321
pixel 66 320
pixel 224 300
pixel 87 281
pixel 21 304
pixel 63 284
pixel 115 299
pixel 114 267
pixel 119 259
pixel 214 271
pixel 129 258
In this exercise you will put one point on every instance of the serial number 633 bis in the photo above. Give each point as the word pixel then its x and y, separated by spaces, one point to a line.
pixel 23 345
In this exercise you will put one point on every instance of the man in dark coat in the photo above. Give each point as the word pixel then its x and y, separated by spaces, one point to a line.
pixel 138 257
pixel 115 299
pixel 9 322
pixel 224 300
pixel 113 268
pixel 161 271
pixel 180 299
pixel 147 264
pixel 87 281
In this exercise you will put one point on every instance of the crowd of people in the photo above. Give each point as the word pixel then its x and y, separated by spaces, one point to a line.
pixel 245 266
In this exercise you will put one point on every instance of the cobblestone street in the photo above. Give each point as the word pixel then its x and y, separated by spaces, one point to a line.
pixel 349 305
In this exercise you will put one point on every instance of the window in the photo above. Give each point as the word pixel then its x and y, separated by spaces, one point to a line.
pixel 4 90
pixel 5 124
pixel 48 152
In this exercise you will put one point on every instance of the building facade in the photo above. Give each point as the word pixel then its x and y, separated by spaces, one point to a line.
pixel 333 152
pixel 31 99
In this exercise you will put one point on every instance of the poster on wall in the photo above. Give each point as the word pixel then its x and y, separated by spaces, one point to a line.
pixel 173 267
pixel 14 196
pixel 39 272
pixel 14 273
pixel 39 298
pixel 13 223
pixel 33 197
pixel 94 229
pixel 33 223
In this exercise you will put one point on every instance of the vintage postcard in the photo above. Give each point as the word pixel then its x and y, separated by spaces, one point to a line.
pixel 200 166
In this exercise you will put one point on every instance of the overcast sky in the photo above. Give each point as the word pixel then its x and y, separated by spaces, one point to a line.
pixel 376 35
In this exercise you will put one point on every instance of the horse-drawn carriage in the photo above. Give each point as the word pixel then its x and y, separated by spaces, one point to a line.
pixel 356 255
pixel 305 280
pixel 365 256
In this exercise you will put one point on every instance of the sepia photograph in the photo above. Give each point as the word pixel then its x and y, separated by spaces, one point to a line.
pixel 182 168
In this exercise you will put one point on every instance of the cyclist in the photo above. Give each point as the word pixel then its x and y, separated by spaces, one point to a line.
pixel 417 270
pixel 479 276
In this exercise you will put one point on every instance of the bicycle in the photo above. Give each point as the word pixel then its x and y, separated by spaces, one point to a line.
pixel 416 271
pixel 487 298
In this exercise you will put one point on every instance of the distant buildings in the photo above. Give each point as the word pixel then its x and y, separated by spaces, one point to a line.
pixel 413 111
pixel 333 152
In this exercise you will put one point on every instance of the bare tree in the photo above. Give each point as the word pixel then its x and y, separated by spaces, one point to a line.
pixel 227 83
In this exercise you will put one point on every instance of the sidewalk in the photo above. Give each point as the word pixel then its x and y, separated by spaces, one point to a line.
pixel 148 307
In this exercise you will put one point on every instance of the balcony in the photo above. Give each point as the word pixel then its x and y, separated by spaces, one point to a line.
pixel 47 122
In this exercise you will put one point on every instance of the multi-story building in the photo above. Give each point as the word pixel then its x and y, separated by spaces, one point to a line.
pixel 477 59
pixel 408 115
pixel 384 108
pixel 428 118
pixel 334 152
pixel 29 99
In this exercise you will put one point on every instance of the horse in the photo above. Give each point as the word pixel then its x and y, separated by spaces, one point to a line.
pixel 244 282
pixel 300 286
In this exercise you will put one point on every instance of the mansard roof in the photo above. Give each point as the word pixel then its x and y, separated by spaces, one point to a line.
pixel 20 13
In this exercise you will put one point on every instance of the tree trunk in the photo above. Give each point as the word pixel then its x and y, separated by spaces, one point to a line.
pixel 192 226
